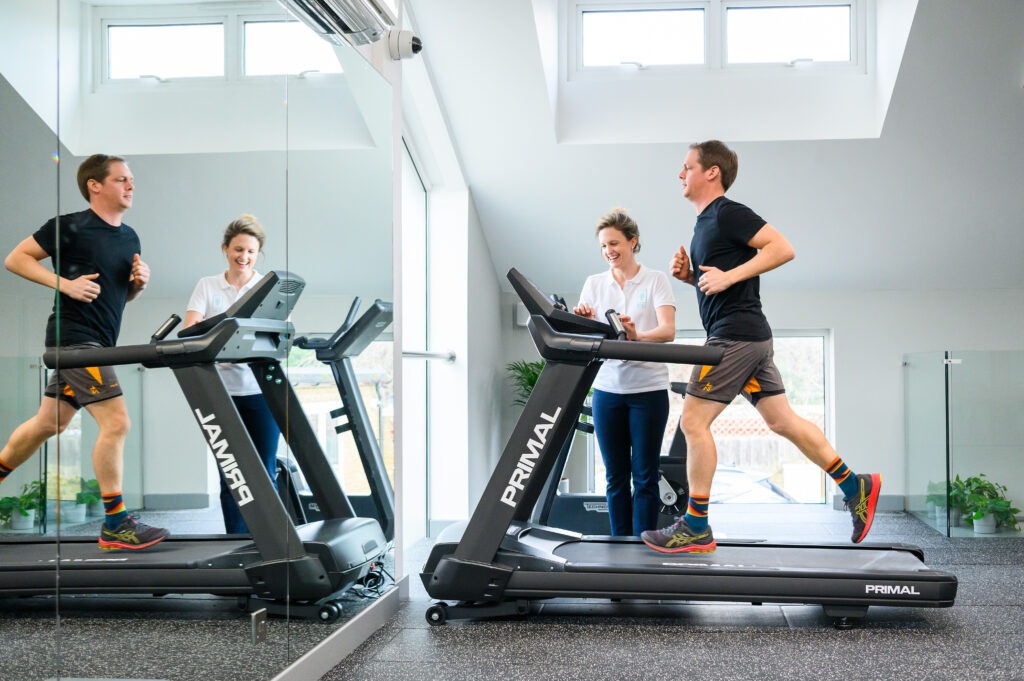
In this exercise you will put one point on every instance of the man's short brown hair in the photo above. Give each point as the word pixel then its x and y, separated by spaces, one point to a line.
pixel 715 153
pixel 96 167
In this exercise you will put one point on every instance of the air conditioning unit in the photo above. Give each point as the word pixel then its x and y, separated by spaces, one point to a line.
pixel 360 22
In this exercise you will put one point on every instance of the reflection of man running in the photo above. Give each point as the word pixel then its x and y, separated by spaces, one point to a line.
pixel 97 270
pixel 731 247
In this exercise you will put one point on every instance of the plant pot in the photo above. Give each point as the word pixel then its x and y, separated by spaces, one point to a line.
pixel 954 517
pixel 95 509
pixel 940 515
pixel 986 524
pixel 23 522
pixel 70 512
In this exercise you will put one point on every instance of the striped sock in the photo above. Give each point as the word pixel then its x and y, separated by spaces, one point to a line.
pixel 697 513
pixel 116 513
pixel 4 471
pixel 844 477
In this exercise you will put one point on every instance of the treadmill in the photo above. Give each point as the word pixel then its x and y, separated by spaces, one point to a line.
pixel 337 351
pixel 504 564
pixel 286 568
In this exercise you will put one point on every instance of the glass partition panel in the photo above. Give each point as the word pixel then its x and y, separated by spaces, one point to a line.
pixel 924 394
pixel 986 431
pixel 310 156
pixel 28 147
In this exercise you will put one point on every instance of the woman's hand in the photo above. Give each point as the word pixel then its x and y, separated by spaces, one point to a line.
pixel 584 310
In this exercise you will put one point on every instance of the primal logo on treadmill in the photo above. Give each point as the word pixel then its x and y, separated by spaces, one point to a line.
pixel 891 589
pixel 225 459
pixel 528 459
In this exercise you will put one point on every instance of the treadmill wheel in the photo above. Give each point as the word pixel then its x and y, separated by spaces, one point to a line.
pixel 437 614
pixel 329 612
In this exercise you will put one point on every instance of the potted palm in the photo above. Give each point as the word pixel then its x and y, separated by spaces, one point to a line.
pixel 987 506
pixel 524 376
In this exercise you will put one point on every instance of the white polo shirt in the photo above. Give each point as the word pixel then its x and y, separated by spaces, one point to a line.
pixel 212 296
pixel 639 298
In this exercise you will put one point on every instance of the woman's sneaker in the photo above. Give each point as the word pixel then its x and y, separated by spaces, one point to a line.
pixel 862 505
pixel 679 538
pixel 131 534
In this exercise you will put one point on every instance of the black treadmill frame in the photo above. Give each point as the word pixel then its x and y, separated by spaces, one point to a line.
pixel 504 563
pixel 281 562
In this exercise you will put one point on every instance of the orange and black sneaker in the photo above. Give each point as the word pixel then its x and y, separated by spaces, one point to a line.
pixel 862 505
pixel 679 538
pixel 132 535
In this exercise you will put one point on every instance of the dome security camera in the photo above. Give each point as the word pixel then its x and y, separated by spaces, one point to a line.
pixel 403 44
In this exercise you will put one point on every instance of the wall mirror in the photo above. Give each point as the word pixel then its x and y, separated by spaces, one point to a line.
pixel 307 150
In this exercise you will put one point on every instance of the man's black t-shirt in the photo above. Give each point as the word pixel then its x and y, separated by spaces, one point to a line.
pixel 720 240
pixel 88 245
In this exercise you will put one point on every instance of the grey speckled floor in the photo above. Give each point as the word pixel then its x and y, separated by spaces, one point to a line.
pixel 177 638
pixel 981 637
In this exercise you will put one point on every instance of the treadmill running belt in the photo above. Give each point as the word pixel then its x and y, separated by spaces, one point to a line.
pixel 618 556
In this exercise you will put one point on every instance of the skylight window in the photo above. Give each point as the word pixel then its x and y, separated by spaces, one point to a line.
pixel 165 51
pixel 643 37
pixel 284 47
pixel 760 35
pixel 715 34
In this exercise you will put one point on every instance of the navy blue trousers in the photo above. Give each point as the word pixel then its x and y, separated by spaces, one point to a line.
pixel 629 430
pixel 264 433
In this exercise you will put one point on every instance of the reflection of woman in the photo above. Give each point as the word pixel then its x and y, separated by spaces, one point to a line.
pixel 243 242
pixel 630 401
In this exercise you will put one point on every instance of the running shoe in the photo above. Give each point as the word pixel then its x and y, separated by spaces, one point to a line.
pixel 131 534
pixel 862 505
pixel 679 538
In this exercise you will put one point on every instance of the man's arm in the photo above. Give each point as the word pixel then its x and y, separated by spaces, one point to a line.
pixel 773 250
pixel 139 278
pixel 25 261
pixel 680 267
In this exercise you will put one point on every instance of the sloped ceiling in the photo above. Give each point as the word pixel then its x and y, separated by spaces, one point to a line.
pixel 931 203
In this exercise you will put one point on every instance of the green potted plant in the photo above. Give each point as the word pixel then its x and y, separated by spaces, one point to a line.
pixel 935 501
pixel 986 505
pixel 7 505
pixel 957 501
pixel 91 497
pixel 524 376
pixel 24 507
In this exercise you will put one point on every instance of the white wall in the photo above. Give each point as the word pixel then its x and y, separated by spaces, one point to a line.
pixel 485 360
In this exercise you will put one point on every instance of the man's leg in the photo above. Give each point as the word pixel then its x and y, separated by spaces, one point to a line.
pixel 108 452
pixel 51 419
pixel 120 530
pixel 701 453
pixel 701 461
pixel 860 491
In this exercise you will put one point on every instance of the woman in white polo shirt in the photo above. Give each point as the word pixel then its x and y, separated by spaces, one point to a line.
pixel 242 244
pixel 630 399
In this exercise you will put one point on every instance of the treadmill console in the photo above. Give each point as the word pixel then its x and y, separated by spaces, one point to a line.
pixel 561 319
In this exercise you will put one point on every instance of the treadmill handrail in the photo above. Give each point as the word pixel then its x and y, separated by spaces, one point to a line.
pixel 177 352
pixel 573 347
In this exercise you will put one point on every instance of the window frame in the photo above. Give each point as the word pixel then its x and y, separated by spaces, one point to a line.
pixel 828 377
pixel 232 16
pixel 715 39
